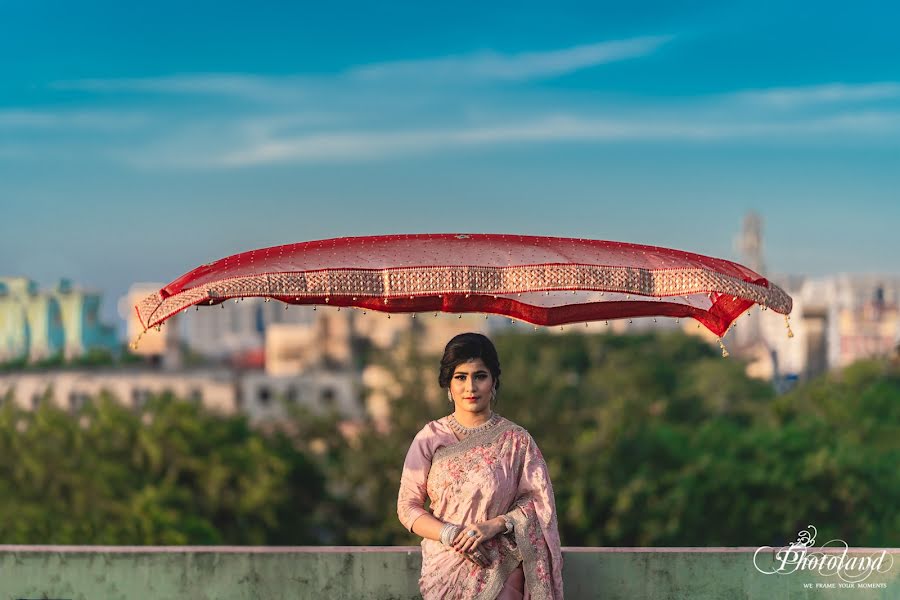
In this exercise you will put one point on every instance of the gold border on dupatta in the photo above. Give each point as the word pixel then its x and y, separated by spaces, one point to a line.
pixel 497 281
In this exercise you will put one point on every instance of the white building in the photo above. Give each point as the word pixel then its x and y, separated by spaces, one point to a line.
pixel 258 395
pixel 40 324
pixel 836 320
pixel 235 327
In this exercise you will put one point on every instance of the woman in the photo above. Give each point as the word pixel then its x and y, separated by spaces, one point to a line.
pixel 492 531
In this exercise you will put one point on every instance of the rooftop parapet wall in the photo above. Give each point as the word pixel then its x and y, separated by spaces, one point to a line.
pixel 360 573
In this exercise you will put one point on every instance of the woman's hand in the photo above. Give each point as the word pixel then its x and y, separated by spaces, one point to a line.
pixel 466 543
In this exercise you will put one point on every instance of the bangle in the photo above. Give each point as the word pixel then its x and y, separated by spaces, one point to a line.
pixel 448 533
pixel 510 524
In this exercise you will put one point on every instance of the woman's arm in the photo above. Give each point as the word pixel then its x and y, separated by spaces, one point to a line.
pixel 428 526
pixel 411 497
pixel 412 493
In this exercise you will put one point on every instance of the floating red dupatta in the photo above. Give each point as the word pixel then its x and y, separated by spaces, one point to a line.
pixel 538 279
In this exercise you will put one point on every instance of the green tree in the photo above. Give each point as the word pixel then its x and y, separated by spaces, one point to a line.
pixel 172 474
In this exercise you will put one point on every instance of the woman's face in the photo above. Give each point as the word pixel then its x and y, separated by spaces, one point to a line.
pixel 471 386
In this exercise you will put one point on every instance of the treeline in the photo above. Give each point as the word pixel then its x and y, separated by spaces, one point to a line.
pixel 651 441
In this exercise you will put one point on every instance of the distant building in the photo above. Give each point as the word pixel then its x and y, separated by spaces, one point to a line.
pixel 866 319
pixel 265 397
pixel 836 320
pixel 261 397
pixel 749 245
pixel 236 327
pixel 33 319
pixel 15 333
pixel 324 342
pixel 82 329
pixel 70 389
pixel 36 325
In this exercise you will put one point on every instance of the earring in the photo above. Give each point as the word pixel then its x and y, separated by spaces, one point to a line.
pixel 493 394
pixel 449 397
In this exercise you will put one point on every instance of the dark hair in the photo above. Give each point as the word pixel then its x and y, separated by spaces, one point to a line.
pixel 463 348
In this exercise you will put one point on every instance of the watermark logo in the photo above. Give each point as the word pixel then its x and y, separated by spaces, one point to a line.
pixel 831 559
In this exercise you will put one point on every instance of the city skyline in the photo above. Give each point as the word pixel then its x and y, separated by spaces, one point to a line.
pixel 137 144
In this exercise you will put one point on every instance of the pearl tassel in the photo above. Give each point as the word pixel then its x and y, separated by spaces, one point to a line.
pixel 787 323
pixel 722 346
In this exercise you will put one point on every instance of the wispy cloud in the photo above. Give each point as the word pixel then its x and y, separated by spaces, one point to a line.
pixel 251 87
pixel 96 120
pixel 393 109
pixel 459 70
pixel 355 146
pixel 832 93
pixel 493 66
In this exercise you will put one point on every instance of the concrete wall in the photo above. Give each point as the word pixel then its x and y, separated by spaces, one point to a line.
pixel 359 573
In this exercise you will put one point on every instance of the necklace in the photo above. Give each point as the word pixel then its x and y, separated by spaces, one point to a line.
pixel 466 431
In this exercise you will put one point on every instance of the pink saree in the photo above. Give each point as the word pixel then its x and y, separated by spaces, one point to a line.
pixel 490 473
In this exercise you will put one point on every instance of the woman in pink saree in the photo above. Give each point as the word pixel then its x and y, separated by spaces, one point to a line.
pixel 491 532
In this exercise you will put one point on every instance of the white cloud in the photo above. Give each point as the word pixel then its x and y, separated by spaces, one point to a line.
pixel 832 93
pixel 493 66
pixel 391 109
pixel 251 87
pixel 360 145
pixel 474 68
pixel 97 120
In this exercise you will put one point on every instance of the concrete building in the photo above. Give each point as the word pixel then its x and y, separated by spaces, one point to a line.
pixel 260 396
pixel 264 397
pixel 324 342
pixel 80 313
pixel 836 320
pixel 15 334
pixel 70 389
pixel 865 319
pixel 36 325
pixel 33 320
pixel 237 327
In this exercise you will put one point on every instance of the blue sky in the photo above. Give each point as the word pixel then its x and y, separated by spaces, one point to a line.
pixel 139 140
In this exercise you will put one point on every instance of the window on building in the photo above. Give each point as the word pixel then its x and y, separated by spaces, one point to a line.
pixel 328 397
pixel 264 395
pixel 77 400
pixel 291 394
pixel 139 398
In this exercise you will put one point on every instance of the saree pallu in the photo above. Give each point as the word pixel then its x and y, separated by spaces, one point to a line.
pixel 490 473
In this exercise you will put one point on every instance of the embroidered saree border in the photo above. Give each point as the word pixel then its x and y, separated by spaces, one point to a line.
pixel 537 589
pixel 498 576
pixel 476 439
pixel 386 284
